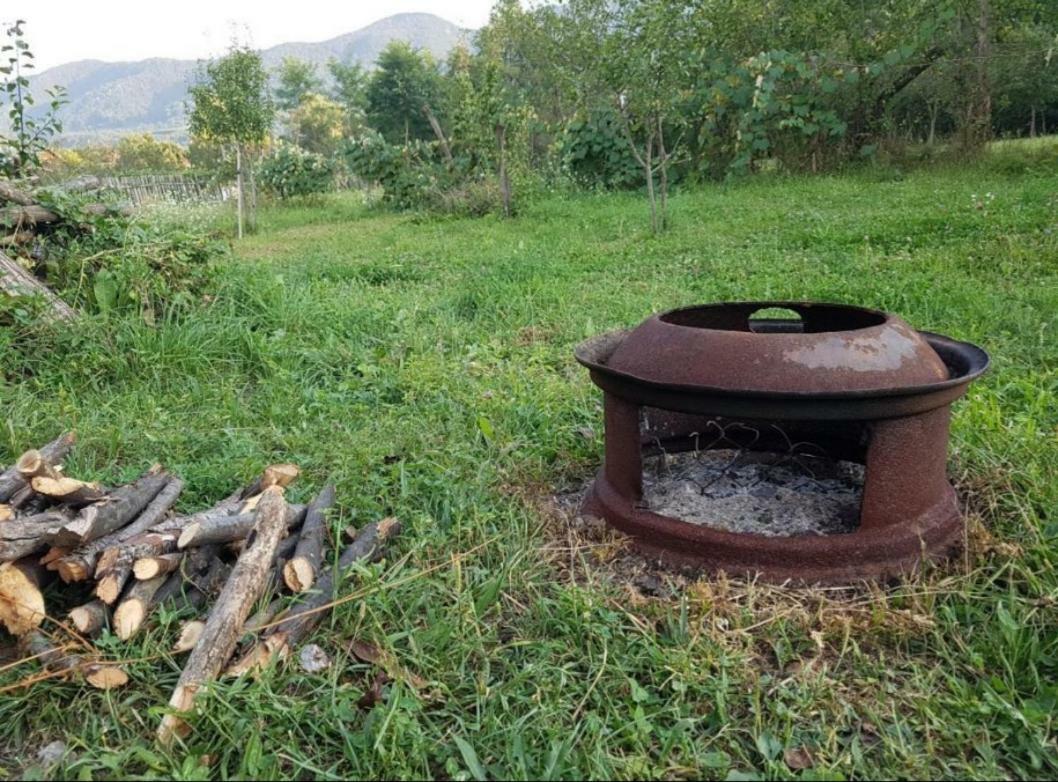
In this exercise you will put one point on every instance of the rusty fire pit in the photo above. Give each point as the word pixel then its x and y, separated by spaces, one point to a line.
pixel 833 383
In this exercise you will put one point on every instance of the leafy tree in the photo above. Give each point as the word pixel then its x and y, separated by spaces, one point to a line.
pixel 350 92
pixel 404 94
pixel 317 124
pixel 297 78
pixel 230 106
pixel 143 152
pixel 20 154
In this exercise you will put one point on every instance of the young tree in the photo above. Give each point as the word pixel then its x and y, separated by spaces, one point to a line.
pixel 317 124
pixel 231 106
pixel 20 153
pixel 350 92
pixel 403 96
pixel 297 78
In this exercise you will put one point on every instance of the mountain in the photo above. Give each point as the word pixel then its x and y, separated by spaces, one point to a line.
pixel 109 99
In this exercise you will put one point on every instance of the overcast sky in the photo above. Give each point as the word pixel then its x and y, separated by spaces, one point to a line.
pixel 63 30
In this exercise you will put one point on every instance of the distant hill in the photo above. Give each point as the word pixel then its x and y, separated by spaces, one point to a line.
pixel 109 99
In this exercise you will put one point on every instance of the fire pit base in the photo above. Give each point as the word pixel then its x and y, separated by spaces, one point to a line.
pixel 824 559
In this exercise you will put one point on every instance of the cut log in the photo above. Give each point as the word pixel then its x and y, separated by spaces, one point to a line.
pixel 281 475
pixel 27 501
pixel 10 193
pixel 102 676
pixel 21 599
pixel 32 464
pixel 16 281
pixel 146 568
pixel 90 618
pixel 78 565
pixel 136 605
pixel 6 512
pixel 299 621
pixel 300 572
pixel 119 508
pixel 225 621
pixel 190 632
pixel 23 215
pixel 112 574
pixel 224 529
pixel 27 535
pixel 68 491
pixel 11 480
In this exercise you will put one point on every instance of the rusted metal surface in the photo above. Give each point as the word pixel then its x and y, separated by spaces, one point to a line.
pixel 857 383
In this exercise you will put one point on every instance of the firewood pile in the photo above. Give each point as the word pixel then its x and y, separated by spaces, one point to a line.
pixel 124 552
pixel 23 215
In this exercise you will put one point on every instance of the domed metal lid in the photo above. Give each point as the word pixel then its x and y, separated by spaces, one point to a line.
pixel 827 348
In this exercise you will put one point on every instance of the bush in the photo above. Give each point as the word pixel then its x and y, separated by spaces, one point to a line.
pixel 410 175
pixel 290 171
pixel 597 155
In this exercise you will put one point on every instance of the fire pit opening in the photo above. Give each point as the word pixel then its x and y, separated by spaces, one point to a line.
pixel 764 318
pixel 756 478
pixel 745 440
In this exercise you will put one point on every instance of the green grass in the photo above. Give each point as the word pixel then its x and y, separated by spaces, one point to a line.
pixel 426 366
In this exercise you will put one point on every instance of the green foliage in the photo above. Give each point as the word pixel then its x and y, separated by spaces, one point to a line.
pixel 317 124
pixel 404 83
pixel 20 153
pixel 289 171
pixel 350 92
pixel 410 175
pixel 230 102
pixel 596 153
pixel 296 79
pixel 143 152
pixel 427 370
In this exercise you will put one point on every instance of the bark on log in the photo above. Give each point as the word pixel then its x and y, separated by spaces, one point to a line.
pixel 32 464
pixel 225 529
pixel 102 676
pixel 12 194
pixel 224 624
pixel 119 508
pixel 115 564
pixel 21 599
pixel 78 565
pixel 307 612
pixel 29 534
pixel 28 214
pixel 68 491
pixel 90 618
pixel 16 281
pixel 300 572
pixel 11 480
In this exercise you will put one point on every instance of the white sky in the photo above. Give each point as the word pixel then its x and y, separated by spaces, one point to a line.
pixel 63 30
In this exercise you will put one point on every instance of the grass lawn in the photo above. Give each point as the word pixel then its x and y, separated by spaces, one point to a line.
pixel 426 366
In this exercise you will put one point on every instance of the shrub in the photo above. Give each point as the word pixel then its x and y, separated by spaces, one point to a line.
pixel 290 171
pixel 410 175
pixel 597 155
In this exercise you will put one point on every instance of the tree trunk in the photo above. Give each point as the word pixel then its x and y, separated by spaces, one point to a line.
pixel 663 163
pixel 437 131
pixel 1032 122
pixel 648 169
pixel 252 223
pixel 240 196
pixel 505 182
pixel 934 110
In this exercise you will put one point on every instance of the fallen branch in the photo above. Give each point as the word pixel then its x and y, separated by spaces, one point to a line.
pixel 224 624
pixel 68 491
pixel 11 480
pixel 225 529
pixel 29 534
pixel 78 565
pixel 102 676
pixel 306 613
pixel 118 509
pixel 299 573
